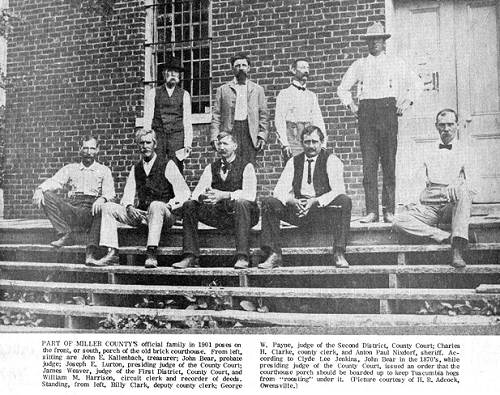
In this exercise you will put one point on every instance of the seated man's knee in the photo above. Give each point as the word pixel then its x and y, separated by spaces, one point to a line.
pixel 463 192
pixel 190 205
pixel 270 203
pixel 243 203
pixel 344 201
pixel 156 207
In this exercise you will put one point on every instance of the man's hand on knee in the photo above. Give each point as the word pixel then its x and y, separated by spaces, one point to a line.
pixel 312 202
pixel 38 199
pixel 134 214
pixel 97 206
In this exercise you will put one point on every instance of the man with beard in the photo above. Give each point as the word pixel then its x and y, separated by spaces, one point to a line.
pixel 447 196
pixel 296 108
pixel 240 108
pixel 310 194
pixel 90 186
pixel 160 190
pixel 224 198
pixel 386 89
pixel 172 116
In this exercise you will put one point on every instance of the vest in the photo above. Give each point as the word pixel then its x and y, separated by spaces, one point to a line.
pixel 170 108
pixel 153 186
pixel 321 182
pixel 234 179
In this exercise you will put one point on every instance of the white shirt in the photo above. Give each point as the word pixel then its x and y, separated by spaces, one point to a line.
pixel 240 107
pixel 335 170
pixel 95 180
pixel 380 77
pixel 186 116
pixel 248 190
pixel 296 105
pixel 172 174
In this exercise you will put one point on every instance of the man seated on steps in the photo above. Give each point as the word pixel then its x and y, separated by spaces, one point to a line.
pixel 447 195
pixel 224 198
pixel 310 194
pixel 90 186
pixel 160 189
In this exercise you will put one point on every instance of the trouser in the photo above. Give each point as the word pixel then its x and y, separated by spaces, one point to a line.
pixel 246 149
pixel 105 232
pixel 378 138
pixel 168 144
pixel 336 220
pixel 239 215
pixel 66 215
pixel 422 220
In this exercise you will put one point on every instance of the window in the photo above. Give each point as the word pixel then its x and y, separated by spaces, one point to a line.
pixel 180 28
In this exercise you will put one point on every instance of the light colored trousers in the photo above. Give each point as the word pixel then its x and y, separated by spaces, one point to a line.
pixel 423 219
pixel 155 218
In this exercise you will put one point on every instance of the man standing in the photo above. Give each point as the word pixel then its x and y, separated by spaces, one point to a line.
pixel 90 186
pixel 447 195
pixel 310 194
pixel 172 116
pixel 386 88
pixel 240 108
pixel 224 198
pixel 160 189
pixel 296 108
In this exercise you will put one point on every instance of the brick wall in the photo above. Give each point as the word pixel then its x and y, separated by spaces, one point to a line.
pixel 73 71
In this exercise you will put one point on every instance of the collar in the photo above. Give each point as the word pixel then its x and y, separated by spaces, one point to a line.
pixel 92 167
pixel 151 162
pixel 377 58
pixel 229 161
pixel 297 85
pixel 313 159
pixel 170 89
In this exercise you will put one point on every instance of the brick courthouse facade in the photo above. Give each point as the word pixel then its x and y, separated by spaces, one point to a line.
pixel 77 67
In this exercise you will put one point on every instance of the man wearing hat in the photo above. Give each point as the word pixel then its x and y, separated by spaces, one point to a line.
pixel 386 87
pixel 240 108
pixel 172 116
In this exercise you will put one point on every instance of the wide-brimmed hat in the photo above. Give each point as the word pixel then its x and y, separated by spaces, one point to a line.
pixel 172 63
pixel 376 31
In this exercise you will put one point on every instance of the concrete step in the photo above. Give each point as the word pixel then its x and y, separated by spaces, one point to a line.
pixel 337 321
pixel 249 292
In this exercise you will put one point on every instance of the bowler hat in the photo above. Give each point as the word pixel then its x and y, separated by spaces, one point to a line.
pixel 376 31
pixel 172 63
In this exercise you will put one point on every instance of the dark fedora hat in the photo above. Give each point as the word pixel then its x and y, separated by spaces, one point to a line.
pixel 172 63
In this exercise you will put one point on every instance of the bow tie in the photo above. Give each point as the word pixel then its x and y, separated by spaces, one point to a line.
pixel 225 166
pixel 446 146
pixel 300 88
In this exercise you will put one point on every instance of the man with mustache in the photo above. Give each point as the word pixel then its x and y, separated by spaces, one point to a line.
pixel 90 186
pixel 296 108
pixel 160 190
pixel 447 196
pixel 172 116
pixel 240 108
pixel 386 89
pixel 310 194
pixel 224 198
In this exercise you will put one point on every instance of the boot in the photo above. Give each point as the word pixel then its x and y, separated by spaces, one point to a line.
pixel 188 261
pixel 90 260
pixel 242 262
pixel 151 260
pixel 272 261
pixel 339 259
pixel 370 217
pixel 65 240
pixel 110 259
pixel 458 247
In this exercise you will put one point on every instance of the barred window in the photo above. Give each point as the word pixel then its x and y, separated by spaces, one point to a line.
pixel 181 28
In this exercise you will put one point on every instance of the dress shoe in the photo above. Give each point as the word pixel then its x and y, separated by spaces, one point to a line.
pixel 389 217
pixel 370 217
pixel 110 259
pixel 188 261
pixel 65 240
pixel 151 261
pixel 242 262
pixel 90 260
pixel 272 261
pixel 458 246
pixel 339 259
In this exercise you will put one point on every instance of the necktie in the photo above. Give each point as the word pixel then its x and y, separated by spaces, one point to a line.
pixel 446 146
pixel 309 170
pixel 300 88
pixel 225 166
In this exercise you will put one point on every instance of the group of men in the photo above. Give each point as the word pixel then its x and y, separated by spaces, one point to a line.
pixel 310 191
